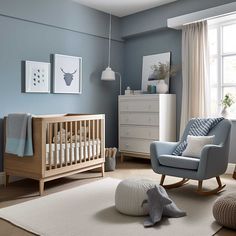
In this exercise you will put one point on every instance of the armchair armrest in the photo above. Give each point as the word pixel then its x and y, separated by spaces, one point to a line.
pixel 158 148
pixel 212 161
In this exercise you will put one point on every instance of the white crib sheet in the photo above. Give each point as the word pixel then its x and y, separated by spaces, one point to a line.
pixel 89 147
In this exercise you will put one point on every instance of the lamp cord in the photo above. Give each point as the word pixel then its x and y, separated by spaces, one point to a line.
pixel 109 51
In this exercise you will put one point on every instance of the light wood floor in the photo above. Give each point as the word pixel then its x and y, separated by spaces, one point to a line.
pixel 25 190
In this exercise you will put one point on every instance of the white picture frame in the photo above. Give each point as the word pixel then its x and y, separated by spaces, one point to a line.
pixel 37 77
pixel 67 74
pixel 149 61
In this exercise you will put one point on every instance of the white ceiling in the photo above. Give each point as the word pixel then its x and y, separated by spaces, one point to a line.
pixel 123 7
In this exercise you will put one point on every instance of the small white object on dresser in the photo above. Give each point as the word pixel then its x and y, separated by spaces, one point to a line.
pixel 143 119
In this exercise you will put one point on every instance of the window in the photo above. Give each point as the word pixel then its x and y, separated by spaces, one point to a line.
pixel 222 43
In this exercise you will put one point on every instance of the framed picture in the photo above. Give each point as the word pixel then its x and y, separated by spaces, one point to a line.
pixel 67 76
pixel 151 71
pixel 37 77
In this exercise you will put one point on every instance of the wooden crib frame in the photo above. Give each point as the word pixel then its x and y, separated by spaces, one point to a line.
pixel 44 128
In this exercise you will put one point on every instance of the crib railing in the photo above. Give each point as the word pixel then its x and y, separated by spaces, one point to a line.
pixel 63 145
pixel 73 140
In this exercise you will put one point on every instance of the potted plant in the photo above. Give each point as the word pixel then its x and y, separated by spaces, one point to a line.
pixel 160 73
pixel 227 102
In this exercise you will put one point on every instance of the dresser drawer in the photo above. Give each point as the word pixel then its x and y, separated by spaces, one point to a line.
pixel 140 105
pixel 145 132
pixel 135 145
pixel 139 119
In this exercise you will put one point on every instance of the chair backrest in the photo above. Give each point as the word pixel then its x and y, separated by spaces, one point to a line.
pixel 221 132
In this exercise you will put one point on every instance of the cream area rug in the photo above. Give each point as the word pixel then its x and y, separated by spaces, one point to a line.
pixel 88 210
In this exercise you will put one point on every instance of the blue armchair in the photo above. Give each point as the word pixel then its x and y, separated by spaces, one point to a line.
pixel 212 163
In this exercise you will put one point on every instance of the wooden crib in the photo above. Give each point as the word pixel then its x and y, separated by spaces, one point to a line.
pixel 63 145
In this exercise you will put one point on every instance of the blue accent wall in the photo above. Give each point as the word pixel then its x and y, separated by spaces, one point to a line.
pixel 64 14
pixel 154 43
pixel 30 39
pixel 156 18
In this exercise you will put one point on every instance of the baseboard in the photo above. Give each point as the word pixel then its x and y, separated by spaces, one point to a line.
pixel 231 168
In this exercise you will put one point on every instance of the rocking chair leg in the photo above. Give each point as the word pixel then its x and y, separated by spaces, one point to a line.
pixel 199 189
pixel 162 180
pixel 219 181
pixel 213 191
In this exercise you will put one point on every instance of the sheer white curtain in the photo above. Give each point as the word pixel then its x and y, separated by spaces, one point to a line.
pixel 195 61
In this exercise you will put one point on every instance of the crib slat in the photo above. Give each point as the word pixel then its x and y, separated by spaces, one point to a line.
pixel 93 139
pixel 55 145
pixel 85 146
pixel 80 141
pixel 102 140
pixel 50 145
pixel 89 145
pixel 66 145
pixel 75 150
pixel 97 151
pixel 61 144
pixel 47 133
pixel 71 130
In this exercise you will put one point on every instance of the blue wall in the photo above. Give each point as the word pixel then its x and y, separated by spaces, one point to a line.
pixel 154 43
pixel 63 14
pixel 24 39
pixel 156 18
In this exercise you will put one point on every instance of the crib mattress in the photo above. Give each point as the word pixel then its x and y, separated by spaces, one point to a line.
pixel 89 148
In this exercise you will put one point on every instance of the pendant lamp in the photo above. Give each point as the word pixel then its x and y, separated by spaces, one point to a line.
pixel 108 74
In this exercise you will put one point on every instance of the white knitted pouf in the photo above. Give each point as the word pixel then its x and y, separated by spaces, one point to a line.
pixel 130 194
pixel 224 210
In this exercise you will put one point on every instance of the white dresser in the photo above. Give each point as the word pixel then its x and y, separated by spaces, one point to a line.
pixel 143 119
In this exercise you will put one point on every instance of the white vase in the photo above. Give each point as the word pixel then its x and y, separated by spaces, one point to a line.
pixel 225 112
pixel 162 87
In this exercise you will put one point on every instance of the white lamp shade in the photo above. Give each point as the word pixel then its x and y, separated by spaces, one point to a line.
pixel 108 74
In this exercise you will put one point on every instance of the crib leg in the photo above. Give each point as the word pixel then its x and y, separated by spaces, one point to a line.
pixel 41 187
pixel 7 178
pixel 103 170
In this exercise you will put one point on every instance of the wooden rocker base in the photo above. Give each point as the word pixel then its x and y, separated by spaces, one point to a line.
pixel 200 191
pixel 175 185
pixel 234 175
pixel 210 192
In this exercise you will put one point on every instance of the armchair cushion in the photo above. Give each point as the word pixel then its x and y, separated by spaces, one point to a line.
pixel 196 144
pixel 179 162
